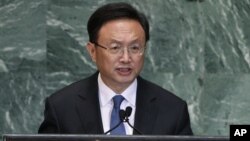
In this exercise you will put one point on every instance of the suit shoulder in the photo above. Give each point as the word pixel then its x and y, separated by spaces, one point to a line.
pixel 79 87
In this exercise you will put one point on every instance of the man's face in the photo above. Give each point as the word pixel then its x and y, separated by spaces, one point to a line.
pixel 118 70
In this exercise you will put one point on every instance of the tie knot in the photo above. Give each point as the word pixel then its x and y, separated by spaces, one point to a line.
pixel 117 101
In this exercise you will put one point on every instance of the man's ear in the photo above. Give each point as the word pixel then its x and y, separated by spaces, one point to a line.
pixel 92 51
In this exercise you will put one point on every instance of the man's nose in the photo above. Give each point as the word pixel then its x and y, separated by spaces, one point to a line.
pixel 125 55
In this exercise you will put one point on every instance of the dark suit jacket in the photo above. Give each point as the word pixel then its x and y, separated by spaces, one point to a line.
pixel 75 110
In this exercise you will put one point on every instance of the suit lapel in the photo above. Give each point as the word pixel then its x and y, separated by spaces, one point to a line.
pixel 146 108
pixel 88 107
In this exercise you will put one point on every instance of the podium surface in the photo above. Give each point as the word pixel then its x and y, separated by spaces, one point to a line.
pixel 74 137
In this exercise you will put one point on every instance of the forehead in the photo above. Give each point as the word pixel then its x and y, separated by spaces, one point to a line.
pixel 122 29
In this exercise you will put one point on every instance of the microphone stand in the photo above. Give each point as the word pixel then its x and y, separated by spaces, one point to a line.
pixel 124 114
pixel 136 130
pixel 127 113
pixel 113 127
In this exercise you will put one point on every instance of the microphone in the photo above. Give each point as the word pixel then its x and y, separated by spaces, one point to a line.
pixel 122 115
pixel 128 112
pixel 125 117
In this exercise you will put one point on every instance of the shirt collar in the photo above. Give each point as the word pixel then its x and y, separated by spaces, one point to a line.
pixel 106 94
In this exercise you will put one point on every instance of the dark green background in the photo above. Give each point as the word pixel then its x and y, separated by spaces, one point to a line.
pixel 199 49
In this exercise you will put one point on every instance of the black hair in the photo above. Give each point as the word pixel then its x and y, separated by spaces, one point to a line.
pixel 114 11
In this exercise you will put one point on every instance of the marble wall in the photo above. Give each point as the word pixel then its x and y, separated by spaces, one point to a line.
pixel 199 49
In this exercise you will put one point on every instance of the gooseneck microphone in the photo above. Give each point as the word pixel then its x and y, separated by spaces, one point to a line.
pixel 124 117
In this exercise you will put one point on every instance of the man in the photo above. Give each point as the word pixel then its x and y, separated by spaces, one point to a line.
pixel 117 41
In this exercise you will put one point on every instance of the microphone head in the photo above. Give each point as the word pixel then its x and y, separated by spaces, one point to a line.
pixel 128 111
pixel 122 115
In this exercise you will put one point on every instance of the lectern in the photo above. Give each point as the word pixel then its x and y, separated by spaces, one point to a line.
pixel 73 137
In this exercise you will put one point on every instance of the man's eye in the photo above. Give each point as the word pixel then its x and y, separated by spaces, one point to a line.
pixel 135 48
pixel 115 48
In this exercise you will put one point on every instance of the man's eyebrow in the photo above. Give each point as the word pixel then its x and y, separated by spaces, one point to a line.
pixel 114 41
pixel 120 42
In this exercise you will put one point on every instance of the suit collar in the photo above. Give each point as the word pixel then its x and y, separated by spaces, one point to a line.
pixel 89 86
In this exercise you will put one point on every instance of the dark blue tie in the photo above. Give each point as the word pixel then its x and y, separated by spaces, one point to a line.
pixel 115 118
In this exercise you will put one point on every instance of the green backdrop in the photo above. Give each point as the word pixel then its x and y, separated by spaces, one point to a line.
pixel 199 49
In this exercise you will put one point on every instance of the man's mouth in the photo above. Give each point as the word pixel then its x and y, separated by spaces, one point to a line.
pixel 124 71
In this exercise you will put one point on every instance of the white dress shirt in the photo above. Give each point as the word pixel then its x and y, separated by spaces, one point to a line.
pixel 106 103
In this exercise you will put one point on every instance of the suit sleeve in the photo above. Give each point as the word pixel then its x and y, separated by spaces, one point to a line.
pixel 50 123
pixel 184 127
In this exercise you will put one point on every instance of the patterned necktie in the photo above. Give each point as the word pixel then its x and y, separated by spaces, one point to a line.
pixel 115 117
